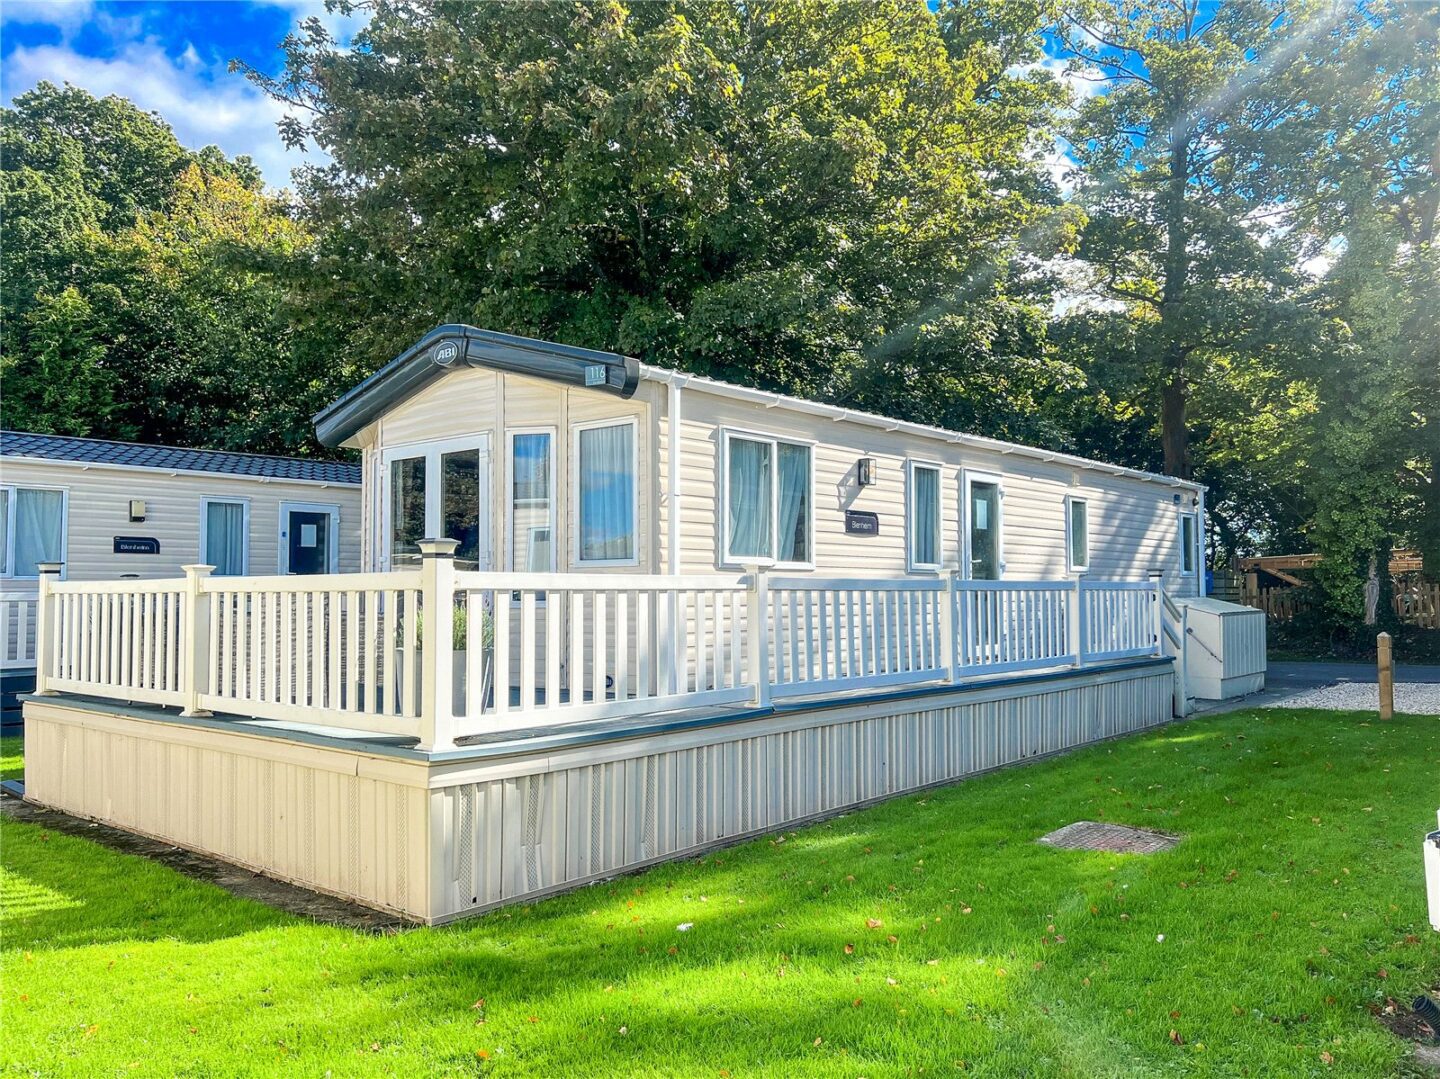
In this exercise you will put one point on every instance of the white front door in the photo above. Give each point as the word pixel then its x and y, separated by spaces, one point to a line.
pixel 436 489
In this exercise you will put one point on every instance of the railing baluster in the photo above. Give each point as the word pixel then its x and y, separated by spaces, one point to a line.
pixel 527 650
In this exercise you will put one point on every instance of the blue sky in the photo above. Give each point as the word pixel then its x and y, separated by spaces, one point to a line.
pixel 169 57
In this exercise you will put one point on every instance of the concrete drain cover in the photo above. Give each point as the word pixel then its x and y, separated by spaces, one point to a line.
pixel 1114 838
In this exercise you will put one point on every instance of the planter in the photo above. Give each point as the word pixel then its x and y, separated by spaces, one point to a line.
pixel 459 676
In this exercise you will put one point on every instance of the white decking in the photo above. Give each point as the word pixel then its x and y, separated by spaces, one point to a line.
pixel 355 651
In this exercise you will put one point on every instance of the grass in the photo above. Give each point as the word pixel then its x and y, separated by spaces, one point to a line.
pixel 922 936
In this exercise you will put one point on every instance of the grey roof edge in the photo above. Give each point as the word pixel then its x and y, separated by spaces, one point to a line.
pixel 452 346
pixel 119 453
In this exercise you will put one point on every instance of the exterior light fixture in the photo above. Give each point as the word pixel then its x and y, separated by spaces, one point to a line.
pixel 865 471
pixel 137 509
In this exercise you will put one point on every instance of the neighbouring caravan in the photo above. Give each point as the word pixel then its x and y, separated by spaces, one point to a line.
pixel 107 510
pixel 544 457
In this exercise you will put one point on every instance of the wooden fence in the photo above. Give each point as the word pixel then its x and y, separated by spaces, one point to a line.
pixel 1415 602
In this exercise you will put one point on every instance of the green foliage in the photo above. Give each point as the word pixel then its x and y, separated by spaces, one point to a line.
pixel 63 385
pixel 785 194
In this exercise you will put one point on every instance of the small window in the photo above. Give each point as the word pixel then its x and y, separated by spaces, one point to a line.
pixel 1187 544
pixel 924 516
pixel 32 529
pixel 1077 530
pixel 768 500
pixel 605 507
pixel 226 536
pixel 532 480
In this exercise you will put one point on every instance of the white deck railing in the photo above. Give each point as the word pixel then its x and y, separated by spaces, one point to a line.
pixel 437 654
pixel 17 630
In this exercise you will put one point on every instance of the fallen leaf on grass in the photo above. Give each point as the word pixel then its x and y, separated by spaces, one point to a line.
pixel 849 949
pixel 873 923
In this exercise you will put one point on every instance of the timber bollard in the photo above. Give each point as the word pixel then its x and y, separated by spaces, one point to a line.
pixel 1385 661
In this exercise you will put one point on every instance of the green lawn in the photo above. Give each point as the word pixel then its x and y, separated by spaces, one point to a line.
pixel 927 935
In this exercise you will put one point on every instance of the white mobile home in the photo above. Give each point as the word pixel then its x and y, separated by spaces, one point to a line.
pixel 612 614
pixel 106 510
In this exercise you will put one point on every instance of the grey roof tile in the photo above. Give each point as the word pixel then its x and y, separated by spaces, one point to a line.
pixel 177 458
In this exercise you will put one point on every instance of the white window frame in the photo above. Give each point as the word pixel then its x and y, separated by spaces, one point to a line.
pixel 1188 551
pixel 282 560
pixel 509 496
pixel 10 534
pixel 723 558
pixel 912 565
pixel 968 478
pixel 576 560
pixel 1071 565
pixel 433 452
pixel 230 500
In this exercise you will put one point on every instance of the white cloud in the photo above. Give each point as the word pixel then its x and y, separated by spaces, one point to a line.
pixel 203 102
pixel 342 27
pixel 64 14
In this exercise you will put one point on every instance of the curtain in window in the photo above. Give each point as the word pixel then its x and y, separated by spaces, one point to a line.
pixel 39 520
pixel 607 493
pixel 794 532
pixel 225 537
pixel 1079 534
pixel 927 517
pixel 4 531
pixel 749 499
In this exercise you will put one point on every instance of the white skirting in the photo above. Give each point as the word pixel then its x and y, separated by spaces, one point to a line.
pixel 438 839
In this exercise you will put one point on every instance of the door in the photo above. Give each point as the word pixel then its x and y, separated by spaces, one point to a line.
pixel 436 489
pixel 308 538
pixel 983 527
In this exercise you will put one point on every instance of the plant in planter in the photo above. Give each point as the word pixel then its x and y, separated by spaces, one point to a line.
pixel 460 643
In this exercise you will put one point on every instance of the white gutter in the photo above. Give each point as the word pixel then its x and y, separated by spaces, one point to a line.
pixel 676 379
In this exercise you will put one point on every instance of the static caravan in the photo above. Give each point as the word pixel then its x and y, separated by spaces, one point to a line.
pixel 611 614
pixel 544 458
pixel 108 510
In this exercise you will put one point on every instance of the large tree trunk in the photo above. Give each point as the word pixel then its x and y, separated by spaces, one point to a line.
pixel 1174 437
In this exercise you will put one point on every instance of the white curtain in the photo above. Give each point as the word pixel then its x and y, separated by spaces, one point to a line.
pixel 39 521
pixel 794 504
pixel 225 537
pixel 749 499
pixel 927 517
pixel 607 493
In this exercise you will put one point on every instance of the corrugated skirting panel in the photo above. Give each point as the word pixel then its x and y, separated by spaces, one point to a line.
pixel 295 813
pixel 525 833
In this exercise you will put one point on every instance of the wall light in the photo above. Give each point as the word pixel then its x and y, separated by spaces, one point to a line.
pixel 865 471
pixel 137 509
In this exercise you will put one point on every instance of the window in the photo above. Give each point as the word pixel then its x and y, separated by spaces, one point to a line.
pixel 407 511
pixel 983 526
pixel 1187 544
pixel 1077 533
pixel 460 505
pixel 768 500
pixel 924 516
pixel 225 535
pixel 532 484
pixel 605 506
pixel 32 529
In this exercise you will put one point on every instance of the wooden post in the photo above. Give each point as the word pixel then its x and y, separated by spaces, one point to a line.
pixel 1385 661
pixel 437 683
pixel 195 624
pixel 757 614
pixel 44 627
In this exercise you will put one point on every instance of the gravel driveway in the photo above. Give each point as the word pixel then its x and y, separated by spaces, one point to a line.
pixel 1418 698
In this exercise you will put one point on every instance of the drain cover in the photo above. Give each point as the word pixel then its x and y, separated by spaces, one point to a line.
pixel 1114 838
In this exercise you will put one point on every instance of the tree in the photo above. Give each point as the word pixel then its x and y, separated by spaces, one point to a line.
pixel 814 197
pixel 1185 157
pixel 64 386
